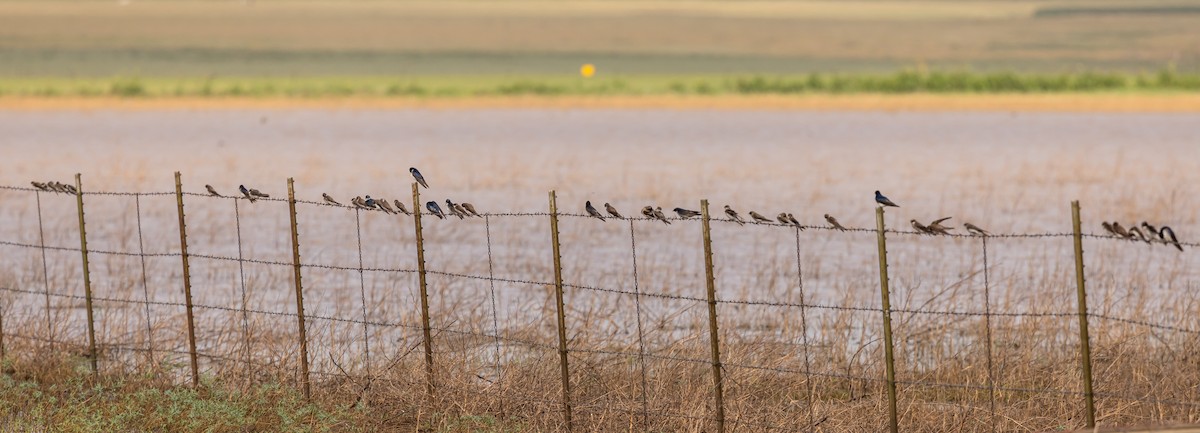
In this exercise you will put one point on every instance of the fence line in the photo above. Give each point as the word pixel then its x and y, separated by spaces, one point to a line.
pixel 570 402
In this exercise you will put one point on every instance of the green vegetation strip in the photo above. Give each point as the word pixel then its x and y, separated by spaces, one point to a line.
pixel 491 85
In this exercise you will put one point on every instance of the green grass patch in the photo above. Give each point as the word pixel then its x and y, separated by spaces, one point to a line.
pixel 902 82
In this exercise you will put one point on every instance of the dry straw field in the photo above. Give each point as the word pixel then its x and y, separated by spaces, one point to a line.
pixel 985 330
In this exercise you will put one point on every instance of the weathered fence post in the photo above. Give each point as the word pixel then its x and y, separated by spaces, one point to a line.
pixel 304 378
pixel 187 282
pixel 425 328
pixel 87 277
pixel 714 339
pixel 562 319
pixel 1085 348
pixel 885 293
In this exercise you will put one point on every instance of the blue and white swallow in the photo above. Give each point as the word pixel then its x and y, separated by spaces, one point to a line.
pixel 1167 235
pixel 435 210
pixel 212 191
pixel 686 213
pixel 612 211
pixel 400 207
pixel 417 175
pixel 329 199
pixel 246 192
pixel 591 210
pixel 370 202
pixel 733 215
pixel 884 201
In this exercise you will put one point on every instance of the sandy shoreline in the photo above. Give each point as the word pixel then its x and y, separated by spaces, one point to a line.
pixel 1174 102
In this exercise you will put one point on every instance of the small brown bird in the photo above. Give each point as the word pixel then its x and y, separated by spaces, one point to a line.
pixel 792 219
pixel 833 222
pixel 1150 229
pixel 1135 234
pixel 921 228
pixel 1108 228
pixel 40 185
pixel 975 230
pixel 470 208
pixel 758 217
pixel 258 193
pixel 329 199
pixel 782 218
pixel 212 191
pixel 384 206
pixel 658 213
pixel 612 211
pixel 400 207
pixel 938 228
pixel 69 189
pixel 361 204
pixel 648 212
pixel 734 215
pixel 1120 231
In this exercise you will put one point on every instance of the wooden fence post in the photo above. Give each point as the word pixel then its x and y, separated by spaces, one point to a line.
pixel 885 296
pixel 187 282
pixel 562 319
pixel 87 277
pixel 1085 348
pixel 425 327
pixel 304 378
pixel 714 339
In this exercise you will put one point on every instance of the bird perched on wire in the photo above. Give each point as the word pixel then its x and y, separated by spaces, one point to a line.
pixel 792 219
pixel 417 175
pixel 884 201
pixel 1153 232
pixel 833 222
pixel 613 211
pixel 783 218
pixel 658 213
pixel 246 192
pixel 1136 234
pixel 1109 228
pixel 471 208
pixel 212 191
pixel 363 204
pixel 435 210
pixel 68 188
pixel 329 199
pixel 40 185
pixel 648 212
pixel 975 230
pixel 400 207
pixel 383 205
pixel 1167 235
pixel 685 213
pixel 592 210
pixel 758 217
pixel 455 209
pixel 1120 231
pixel 370 202
pixel 733 215
pixel 937 227
pixel 920 228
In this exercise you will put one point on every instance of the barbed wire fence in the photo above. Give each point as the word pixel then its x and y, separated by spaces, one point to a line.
pixel 695 360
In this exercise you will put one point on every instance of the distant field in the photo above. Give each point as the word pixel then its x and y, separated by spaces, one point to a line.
pixel 369 38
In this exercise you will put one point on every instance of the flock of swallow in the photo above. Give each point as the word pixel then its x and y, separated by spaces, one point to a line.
pixel 366 202
pixel 55 187
pixel 1157 235
pixel 1164 234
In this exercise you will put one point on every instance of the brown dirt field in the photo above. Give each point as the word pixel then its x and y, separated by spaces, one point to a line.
pixel 867 102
